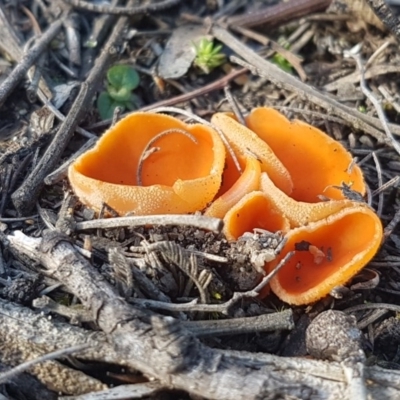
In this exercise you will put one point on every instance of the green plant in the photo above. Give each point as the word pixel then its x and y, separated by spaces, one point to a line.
pixel 208 55
pixel 280 60
pixel 362 108
pixel 122 79
pixel 282 63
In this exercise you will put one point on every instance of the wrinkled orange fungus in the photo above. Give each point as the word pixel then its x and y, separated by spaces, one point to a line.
pixel 181 173
pixel 155 164
pixel 254 210
pixel 246 183
pixel 328 253
pixel 246 143
pixel 299 212
pixel 315 161
pixel 231 172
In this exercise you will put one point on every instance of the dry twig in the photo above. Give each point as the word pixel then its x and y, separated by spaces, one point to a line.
pixel 27 61
pixel 115 10
pixel 394 143
pixel 198 221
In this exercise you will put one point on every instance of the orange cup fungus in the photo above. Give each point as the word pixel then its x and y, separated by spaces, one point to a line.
pixel 328 253
pixel 156 164
pixel 180 174
pixel 254 210
pixel 315 161
pixel 299 212
pixel 246 183
pixel 246 143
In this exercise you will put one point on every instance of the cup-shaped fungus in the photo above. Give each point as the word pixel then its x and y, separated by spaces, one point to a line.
pixel 316 162
pixel 299 212
pixel 254 210
pixel 151 164
pixel 246 183
pixel 245 142
pixel 233 169
pixel 328 253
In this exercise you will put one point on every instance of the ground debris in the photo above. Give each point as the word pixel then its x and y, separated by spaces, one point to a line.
pixel 170 301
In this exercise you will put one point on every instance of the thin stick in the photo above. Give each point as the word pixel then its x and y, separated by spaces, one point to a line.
pixel 5 183
pixel 377 53
pixel 147 151
pixel 116 115
pixel 279 13
pixel 392 224
pixel 388 184
pixel 197 221
pixel 372 306
pixel 43 98
pixel 315 114
pixel 20 70
pixel 236 326
pixel 369 195
pixel 204 122
pixel 375 103
pixel 380 183
pixel 103 9
pixel 233 103
pixel 268 277
pixel 18 219
pixel 61 172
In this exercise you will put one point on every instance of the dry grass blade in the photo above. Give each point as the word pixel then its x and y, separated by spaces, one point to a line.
pixel 395 144
pixel 122 272
pixel 187 262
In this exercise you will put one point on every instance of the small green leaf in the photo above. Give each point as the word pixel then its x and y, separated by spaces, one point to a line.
pixel 208 48
pixel 123 76
pixel 362 109
pixel 122 94
pixel 282 63
pixel 90 44
pixel 106 105
pixel 132 103
pixel 216 50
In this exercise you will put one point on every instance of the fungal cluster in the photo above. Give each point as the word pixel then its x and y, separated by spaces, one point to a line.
pixel 271 173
